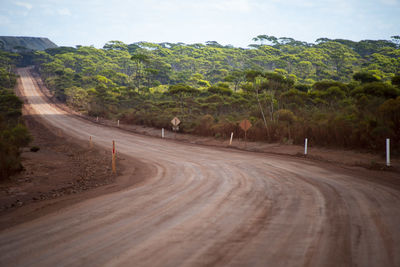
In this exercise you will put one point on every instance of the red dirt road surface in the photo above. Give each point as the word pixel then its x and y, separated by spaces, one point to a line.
pixel 203 206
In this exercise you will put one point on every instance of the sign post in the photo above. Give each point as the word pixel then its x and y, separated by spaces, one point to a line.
pixel 162 133
pixel 230 142
pixel 305 146
pixel 245 125
pixel 388 152
pixel 114 170
pixel 175 125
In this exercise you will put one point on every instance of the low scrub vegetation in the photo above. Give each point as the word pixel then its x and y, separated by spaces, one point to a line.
pixel 13 134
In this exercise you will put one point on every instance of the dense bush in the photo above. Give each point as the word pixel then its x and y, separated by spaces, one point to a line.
pixel 13 135
pixel 288 90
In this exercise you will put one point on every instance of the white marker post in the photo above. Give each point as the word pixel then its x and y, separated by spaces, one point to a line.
pixel 118 123
pixel 230 142
pixel 388 152
pixel 305 146
pixel 97 119
pixel 162 133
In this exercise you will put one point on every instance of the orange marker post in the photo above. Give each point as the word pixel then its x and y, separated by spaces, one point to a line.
pixel 113 158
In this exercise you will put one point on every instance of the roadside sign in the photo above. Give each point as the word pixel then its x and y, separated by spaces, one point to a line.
pixel 245 125
pixel 175 121
pixel 175 125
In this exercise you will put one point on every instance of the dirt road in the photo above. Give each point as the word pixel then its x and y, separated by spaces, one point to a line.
pixel 213 207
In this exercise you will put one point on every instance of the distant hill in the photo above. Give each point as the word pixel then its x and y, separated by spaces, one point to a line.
pixel 19 44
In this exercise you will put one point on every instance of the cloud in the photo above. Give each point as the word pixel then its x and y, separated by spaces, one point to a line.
pixel 234 5
pixel 25 5
pixel 47 10
pixel 390 2
pixel 300 3
pixel 64 11
pixel 205 5
pixel 4 20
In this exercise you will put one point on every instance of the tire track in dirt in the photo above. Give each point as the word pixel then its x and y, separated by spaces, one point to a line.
pixel 215 207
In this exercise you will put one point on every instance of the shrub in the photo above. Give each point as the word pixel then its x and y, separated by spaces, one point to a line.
pixel 13 135
pixel 204 126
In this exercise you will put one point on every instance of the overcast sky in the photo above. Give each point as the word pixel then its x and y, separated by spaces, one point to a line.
pixel 236 22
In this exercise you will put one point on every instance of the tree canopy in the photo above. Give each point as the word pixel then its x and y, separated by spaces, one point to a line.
pixel 333 91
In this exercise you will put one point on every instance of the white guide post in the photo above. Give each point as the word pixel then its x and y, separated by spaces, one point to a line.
pixel 162 133
pixel 305 146
pixel 118 123
pixel 230 142
pixel 387 152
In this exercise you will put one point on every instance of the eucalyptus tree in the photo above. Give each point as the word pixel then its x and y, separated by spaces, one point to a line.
pixel 140 60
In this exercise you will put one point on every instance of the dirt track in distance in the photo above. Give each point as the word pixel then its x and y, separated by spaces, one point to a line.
pixel 213 206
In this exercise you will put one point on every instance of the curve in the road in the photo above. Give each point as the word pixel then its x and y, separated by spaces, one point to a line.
pixel 211 207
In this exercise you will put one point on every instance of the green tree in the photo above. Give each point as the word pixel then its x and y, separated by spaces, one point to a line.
pixel 181 92
pixel 141 60
pixel 287 117
pixel 365 77
pixel 236 77
pixel 115 45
